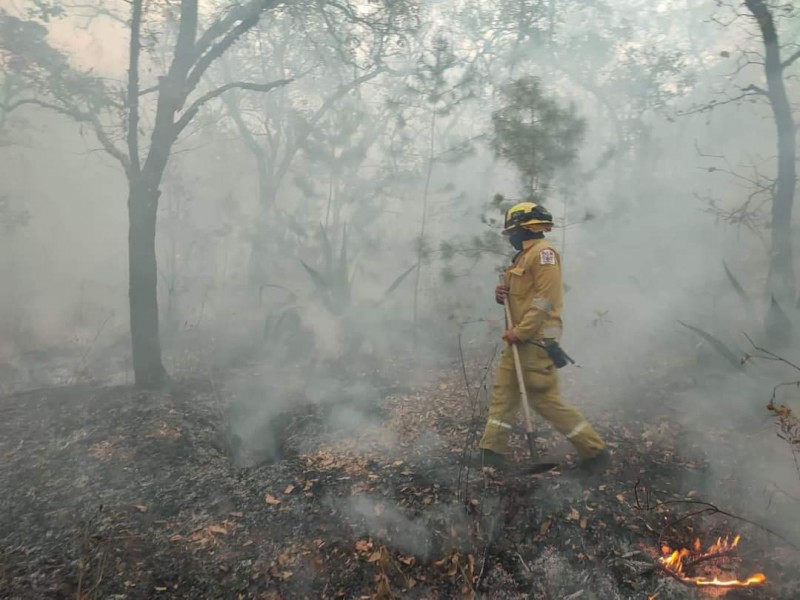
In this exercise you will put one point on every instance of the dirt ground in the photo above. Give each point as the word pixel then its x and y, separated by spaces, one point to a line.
pixel 110 492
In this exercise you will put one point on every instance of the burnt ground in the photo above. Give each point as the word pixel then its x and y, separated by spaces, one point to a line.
pixel 110 492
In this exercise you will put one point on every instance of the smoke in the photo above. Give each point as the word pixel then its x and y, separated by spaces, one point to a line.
pixel 386 522
pixel 642 245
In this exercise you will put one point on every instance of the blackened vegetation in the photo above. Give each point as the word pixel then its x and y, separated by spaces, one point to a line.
pixel 116 493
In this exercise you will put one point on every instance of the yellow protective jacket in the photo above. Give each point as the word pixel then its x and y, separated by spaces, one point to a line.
pixel 535 294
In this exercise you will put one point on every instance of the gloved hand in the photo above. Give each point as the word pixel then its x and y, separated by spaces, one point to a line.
pixel 500 293
pixel 510 337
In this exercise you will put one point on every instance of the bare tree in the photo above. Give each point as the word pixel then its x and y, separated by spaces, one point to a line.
pixel 778 190
pixel 81 97
pixel 275 130
pixel 191 58
pixel 781 276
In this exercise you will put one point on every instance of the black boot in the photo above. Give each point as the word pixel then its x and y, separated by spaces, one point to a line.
pixel 487 458
pixel 597 464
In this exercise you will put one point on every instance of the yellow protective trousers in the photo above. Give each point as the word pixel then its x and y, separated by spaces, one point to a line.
pixel 541 383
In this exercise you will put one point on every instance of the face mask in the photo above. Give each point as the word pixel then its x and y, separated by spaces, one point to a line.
pixel 516 239
pixel 520 235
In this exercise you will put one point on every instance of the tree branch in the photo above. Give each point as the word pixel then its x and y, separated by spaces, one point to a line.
pixel 707 507
pixel 70 112
pixel 223 24
pixel 150 90
pixel 329 102
pixel 190 112
pixel 185 44
pixel 747 92
pixel 80 117
pixel 758 90
pixel 248 18
pixel 108 145
pixel 236 114
pixel 790 60
pixel 770 355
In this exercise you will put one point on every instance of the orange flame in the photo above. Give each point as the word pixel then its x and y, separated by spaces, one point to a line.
pixel 756 579
pixel 675 560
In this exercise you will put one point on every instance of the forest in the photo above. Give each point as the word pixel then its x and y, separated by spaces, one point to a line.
pixel 249 326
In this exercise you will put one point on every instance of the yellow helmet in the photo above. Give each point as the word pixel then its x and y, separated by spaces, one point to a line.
pixel 528 215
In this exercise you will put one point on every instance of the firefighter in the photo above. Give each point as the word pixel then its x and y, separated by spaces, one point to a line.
pixel 532 286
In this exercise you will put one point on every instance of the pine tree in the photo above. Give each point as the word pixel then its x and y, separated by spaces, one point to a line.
pixel 535 134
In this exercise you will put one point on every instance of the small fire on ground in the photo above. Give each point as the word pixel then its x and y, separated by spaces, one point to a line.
pixel 679 563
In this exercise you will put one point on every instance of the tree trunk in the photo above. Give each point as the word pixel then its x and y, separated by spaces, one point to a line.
pixel 781 268
pixel 143 291
pixel 421 241
pixel 258 271
pixel 781 275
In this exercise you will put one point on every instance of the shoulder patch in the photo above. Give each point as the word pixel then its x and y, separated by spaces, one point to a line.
pixel 547 257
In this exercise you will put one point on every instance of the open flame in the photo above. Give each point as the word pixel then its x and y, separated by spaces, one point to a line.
pixel 677 562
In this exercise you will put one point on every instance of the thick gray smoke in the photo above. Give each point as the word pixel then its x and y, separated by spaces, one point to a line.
pixel 321 247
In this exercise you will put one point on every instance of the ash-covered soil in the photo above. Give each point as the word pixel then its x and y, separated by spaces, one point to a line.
pixel 110 492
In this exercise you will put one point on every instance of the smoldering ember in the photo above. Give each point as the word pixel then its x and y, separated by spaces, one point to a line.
pixel 399 299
